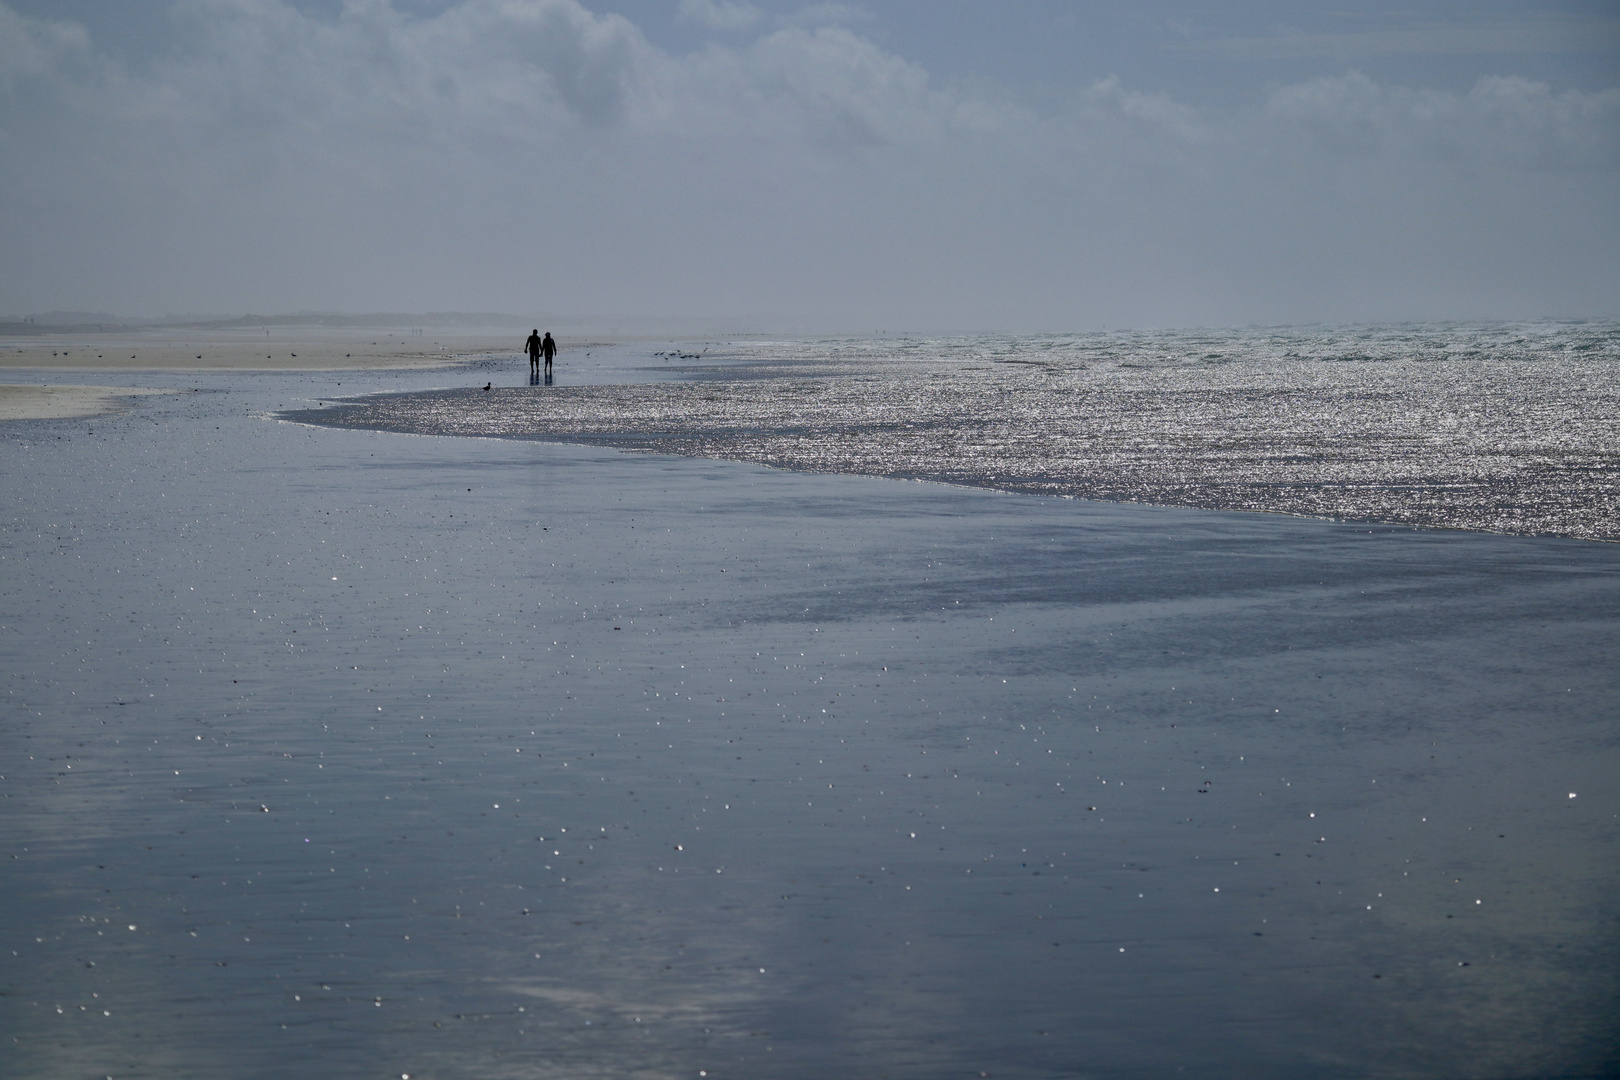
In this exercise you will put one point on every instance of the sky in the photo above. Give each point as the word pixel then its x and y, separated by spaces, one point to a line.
pixel 925 166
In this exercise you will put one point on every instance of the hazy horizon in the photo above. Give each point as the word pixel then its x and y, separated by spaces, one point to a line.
pixel 1036 166
pixel 671 327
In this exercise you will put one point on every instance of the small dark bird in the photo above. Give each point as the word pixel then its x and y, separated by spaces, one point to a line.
pixel 488 385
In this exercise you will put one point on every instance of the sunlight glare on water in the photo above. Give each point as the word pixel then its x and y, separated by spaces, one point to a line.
pixel 1508 428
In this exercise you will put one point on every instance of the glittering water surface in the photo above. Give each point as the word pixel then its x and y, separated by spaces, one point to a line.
pixel 1501 428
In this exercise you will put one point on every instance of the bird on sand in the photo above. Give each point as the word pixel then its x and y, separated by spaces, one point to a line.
pixel 488 385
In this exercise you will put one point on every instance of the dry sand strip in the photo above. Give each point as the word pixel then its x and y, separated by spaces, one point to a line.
pixel 291 350
pixel 66 402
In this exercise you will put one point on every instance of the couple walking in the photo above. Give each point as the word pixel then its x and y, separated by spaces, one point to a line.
pixel 538 347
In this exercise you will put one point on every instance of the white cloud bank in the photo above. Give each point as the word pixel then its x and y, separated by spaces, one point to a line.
pixel 530 154
pixel 720 14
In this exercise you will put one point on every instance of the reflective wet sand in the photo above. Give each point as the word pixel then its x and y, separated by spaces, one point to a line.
pixel 44 402
pixel 1471 429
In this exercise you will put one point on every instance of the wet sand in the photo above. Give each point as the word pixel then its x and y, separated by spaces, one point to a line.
pixel 48 402
pixel 1522 448
pixel 361 753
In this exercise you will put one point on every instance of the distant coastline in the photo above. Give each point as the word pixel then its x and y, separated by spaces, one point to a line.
pixel 67 323
pixel 82 322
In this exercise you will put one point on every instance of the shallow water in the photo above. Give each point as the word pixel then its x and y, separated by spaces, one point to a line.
pixel 1512 429
pixel 356 753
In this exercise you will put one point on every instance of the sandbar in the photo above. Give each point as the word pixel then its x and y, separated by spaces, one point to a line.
pixel 65 402
pixel 283 349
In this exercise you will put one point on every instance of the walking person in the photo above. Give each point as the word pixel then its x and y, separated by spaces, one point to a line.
pixel 548 349
pixel 532 347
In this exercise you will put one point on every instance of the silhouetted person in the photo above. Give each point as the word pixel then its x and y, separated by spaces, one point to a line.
pixel 548 349
pixel 532 347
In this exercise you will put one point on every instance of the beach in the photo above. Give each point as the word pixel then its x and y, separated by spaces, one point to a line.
pixel 279 348
pixel 346 751
pixel 50 357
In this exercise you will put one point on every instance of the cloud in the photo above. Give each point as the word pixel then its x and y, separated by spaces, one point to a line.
pixel 829 15
pixel 720 14
pixel 1547 34
pixel 480 57
pixel 30 48
pixel 513 153
pixel 1503 122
